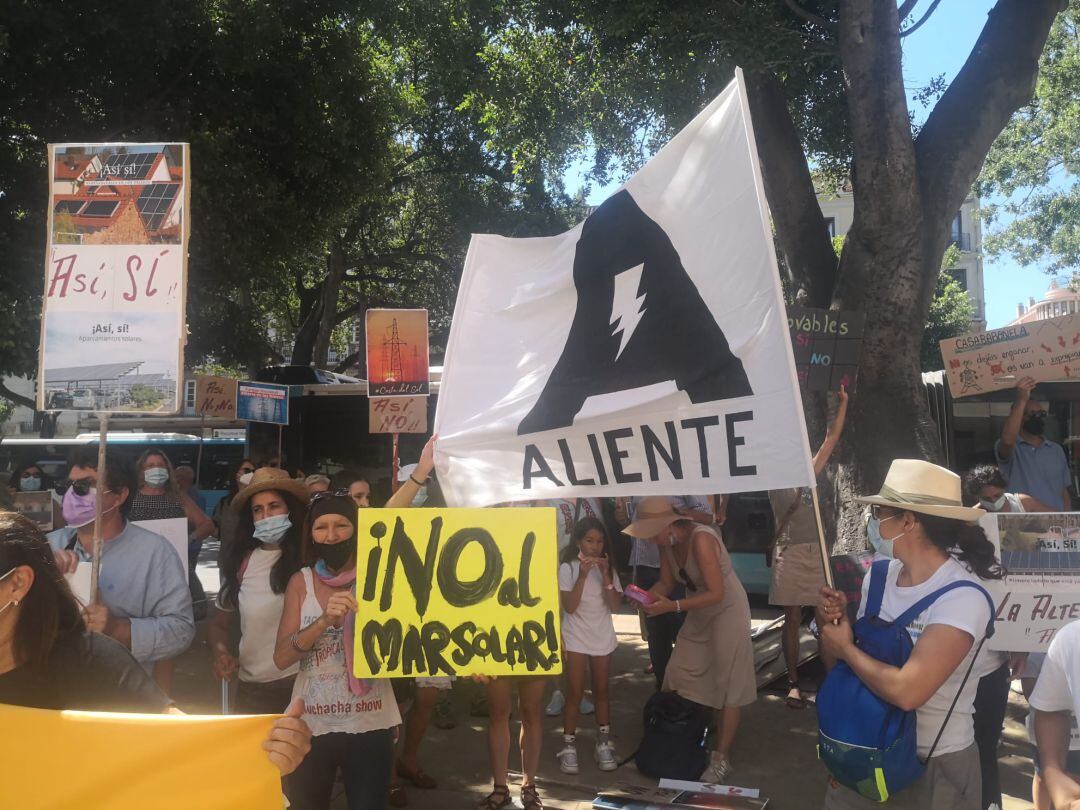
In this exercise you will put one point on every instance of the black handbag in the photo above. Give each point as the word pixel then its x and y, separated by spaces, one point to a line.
pixel 673 746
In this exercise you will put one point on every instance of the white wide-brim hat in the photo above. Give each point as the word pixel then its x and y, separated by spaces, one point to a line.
pixel 919 486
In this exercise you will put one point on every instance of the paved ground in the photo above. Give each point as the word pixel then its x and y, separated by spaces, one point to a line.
pixel 775 751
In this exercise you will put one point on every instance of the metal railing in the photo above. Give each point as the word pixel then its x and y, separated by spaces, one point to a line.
pixel 962 241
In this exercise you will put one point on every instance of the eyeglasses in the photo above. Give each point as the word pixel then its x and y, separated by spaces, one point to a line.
pixel 875 512
pixel 318 496
pixel 1035 414
pixel 82 486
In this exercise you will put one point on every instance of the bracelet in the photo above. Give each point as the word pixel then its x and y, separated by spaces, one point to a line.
pixel 418 483
pixel 610 586
pixel 295 639
pixel 678 609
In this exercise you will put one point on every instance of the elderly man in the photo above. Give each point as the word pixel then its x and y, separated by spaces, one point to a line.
pixel 143 589
pixel 1031 463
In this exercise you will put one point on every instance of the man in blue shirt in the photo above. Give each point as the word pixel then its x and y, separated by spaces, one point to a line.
pixel 144 599
pixel 1034 465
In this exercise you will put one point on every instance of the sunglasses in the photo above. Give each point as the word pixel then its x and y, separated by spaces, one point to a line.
pixel 1035 415
pixel 337 493
pixel 81 487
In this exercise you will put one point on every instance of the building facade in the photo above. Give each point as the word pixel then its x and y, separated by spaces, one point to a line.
pixel 1059 300
pixel 839 211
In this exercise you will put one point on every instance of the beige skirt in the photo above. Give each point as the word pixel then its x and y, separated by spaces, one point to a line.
pixel 797 575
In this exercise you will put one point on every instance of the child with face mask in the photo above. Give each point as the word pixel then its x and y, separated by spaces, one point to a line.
pixel 256 566
pixel 352 720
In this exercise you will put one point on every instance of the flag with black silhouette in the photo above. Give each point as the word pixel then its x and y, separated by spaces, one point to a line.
pixel 645 352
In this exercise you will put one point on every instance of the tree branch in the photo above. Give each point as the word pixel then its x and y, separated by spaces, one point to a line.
pixel 809 16
pixel 18 399
pixel 997 79
pixel 913 28
pixel 906 8
pixel 789 188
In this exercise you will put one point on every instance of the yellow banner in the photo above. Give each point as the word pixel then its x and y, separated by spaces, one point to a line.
pixel 457 592
pixel 64 760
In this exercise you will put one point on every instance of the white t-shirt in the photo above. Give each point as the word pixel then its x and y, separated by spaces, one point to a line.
pixel 260 615
pixel 589 629
pixel 1058 687
pixel 963 608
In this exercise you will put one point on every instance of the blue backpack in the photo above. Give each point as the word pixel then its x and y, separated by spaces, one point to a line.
pixel 867 744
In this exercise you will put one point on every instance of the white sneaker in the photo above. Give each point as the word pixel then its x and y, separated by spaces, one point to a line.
pixel 605 753
pixel 568 762
pixel 556 706
pixel 717 771
pixel 587 706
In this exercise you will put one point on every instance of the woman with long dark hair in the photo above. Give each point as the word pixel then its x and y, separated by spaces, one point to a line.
pixel 352 720
pixel 256 566
pixel 48 660
pixel 918 520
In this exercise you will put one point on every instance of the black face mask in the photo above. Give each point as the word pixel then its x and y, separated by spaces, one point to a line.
pixel 1035 425
pixel 337 554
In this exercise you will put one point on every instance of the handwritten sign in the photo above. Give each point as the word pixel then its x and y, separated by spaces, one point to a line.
pixel 1041 593
pixel 979 362
pixel 826 344
pixel 457 592
pixel 215 396
pixel 397 415
pixel 262 402
pixel 848 573
pixel 397 352
pixel 113 321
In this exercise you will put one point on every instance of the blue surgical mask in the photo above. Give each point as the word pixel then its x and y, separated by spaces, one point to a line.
pixel 271 530
pixel 882 545
pixel 31 483
pixel 156 476
pixel 993 506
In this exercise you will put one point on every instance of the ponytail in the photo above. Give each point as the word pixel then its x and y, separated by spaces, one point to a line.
pixel 967 542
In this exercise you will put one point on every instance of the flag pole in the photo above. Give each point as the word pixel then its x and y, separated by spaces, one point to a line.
pixel 822 546
pixel 95 565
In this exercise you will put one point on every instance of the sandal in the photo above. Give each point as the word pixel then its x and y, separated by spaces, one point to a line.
pixel 792 701
pixel 530 799
pixel 417 776
pixel 497 799
pixel 398 796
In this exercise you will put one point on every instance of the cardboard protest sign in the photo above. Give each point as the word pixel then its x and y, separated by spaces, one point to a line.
pixel 172 529
pixel 457 592
pixel 397 415
pixel 113 325
pixel 37 506
pixel 262 402
pixel 646 350
pixel 215 396
pixel 826 344
pixel 1041 593
pixel 164 761
pixel 397 352
pixel 979 362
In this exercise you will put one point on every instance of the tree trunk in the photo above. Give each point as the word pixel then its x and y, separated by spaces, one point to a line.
pixel 328 303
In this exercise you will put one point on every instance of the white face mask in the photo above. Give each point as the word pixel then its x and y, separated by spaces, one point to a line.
pixel 245 479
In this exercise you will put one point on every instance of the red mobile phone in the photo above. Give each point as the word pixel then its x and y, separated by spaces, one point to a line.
pixel 642 597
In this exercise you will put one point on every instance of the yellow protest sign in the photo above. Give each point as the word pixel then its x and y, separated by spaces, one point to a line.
pixel 457 592
pixel 135 761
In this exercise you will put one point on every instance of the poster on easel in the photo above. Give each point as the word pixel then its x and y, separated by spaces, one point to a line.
pixel 113 306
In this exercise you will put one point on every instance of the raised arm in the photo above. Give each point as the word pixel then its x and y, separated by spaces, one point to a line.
pixel 403 498
pixel 1011 430
pixel 833 433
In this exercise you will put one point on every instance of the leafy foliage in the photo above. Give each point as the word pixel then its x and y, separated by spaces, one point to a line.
pixel 1035 163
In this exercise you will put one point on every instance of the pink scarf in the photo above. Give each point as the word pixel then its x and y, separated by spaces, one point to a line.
pixel 357 686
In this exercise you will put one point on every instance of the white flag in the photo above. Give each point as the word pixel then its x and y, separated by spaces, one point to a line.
pixel 644 352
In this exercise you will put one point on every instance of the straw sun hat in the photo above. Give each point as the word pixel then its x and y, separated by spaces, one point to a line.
pixel 652 516
pixel 266 478
pixel 919 486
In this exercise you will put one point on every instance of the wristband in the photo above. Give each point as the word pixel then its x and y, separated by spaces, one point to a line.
pixel 418 483
pixel 678 609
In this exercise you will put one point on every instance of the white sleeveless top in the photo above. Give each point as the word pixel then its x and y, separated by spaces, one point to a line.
pixel 323 682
